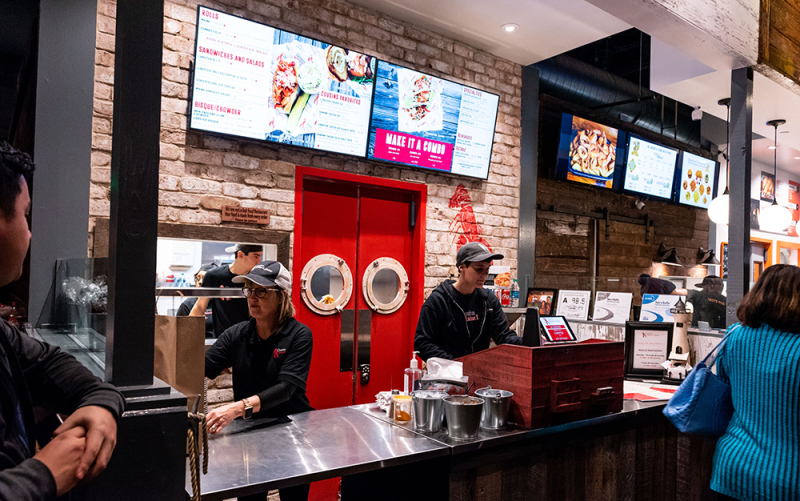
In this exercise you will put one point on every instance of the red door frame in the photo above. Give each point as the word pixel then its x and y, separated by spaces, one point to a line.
pixel 417 274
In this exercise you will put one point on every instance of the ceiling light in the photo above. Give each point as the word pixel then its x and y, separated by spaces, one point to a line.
pixel 773 147
pixel 775 218
pixel 797 158
pixel 508 28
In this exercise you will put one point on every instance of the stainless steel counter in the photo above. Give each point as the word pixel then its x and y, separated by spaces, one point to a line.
pixel 254 457
pixel 493 438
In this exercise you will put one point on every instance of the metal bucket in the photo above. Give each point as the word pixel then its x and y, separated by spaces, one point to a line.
pixel 463 416
pixel 428 410
pixel 494 415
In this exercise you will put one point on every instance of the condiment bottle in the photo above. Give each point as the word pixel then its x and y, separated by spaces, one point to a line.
pixel 412 375
pixel 402 408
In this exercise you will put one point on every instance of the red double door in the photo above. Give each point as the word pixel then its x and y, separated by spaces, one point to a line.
pixel 357 351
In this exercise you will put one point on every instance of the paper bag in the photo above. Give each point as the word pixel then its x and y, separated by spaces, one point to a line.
pixel 179 356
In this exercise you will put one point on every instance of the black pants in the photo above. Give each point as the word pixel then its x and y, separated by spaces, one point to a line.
pixel 296 493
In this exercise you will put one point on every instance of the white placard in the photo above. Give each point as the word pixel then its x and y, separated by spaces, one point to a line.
pixel 650 348
pixel 614 307
pixel 655 307
pixel 573 305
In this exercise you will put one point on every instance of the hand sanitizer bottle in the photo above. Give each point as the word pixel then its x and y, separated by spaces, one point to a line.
pixel 412 375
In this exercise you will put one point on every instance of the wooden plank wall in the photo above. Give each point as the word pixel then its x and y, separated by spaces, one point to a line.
pixel 779 37
pixel 653 463
pixel 563 240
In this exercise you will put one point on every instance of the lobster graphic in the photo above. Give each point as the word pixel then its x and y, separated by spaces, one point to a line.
pixel 465 224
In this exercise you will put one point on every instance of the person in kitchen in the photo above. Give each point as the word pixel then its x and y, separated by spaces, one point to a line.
pixel 227 312
pixel 270 355
pixel 460 316
pixel 709 303
pixel 185 309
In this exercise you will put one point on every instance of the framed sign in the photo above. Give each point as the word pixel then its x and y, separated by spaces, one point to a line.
pixel 655 307
pixel 573 305
pixel 542 299
pixel 614 307
pixel 647 346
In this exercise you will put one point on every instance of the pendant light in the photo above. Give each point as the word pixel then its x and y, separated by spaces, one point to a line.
pixel 775 218
pixel 669 255
pixel 718 208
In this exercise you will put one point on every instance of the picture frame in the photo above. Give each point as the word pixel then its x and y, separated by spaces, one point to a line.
pixel 647 346
pixel 538 297
pixel 573 304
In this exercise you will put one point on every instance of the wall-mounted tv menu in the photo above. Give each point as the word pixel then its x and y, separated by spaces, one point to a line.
pixel 697 181
pixel 424 121
pixel 587 152
pixel 649 168
pixel 256 81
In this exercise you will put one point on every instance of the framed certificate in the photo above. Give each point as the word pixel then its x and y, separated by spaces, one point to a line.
pixel 647 346
pixel 573 305
pixel 613 307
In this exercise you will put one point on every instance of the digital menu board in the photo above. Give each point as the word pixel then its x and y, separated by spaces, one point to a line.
pixel 587 152
pixel 424 121
pixel 256 81
pixel 650 168
pixel 697 180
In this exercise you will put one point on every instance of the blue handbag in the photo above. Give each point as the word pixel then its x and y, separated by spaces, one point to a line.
pixel 702 404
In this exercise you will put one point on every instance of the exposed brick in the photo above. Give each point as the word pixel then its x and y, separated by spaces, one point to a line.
pixel 277 195
pixel 285 210
pixel 168 183
pixel 176 75
pixel 333 31
pixel 416 59
pixel 429 51
pixel 224 381
pixel 463 50
pixel 170 214
pixel 195 185
pixel 390 26
pixel 99 207
pixel 364 16
pixel 238 161
pixel 191 216
pixel 171 26
pixel 173 137
pixel 105 41
pixel 101 125
pixel 260 204
pixel 474 66
pixel 178 43
pixel 170 151
pixel 266 179
pixel 440 66
pixel 298 20
pixel 484 58
pixel 99 175
pixel 206 157
pixel 179 12
pixel 216 396
pixel 104 58
pixel 391 50
pixel 377 33
pixel 404 42
pixel 258 151
pixel 215 202
pixel 362 41
pixel 97 191
pixel 178 199
pixel 264 9
pixel 239 190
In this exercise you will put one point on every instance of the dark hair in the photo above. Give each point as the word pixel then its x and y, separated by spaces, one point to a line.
pixel 774 300
pixel 13 164
pixel 247 249
pixel 204 268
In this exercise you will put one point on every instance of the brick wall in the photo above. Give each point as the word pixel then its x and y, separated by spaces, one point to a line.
pixel 199 173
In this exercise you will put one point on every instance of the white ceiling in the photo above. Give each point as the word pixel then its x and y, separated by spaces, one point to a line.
pixel 546 27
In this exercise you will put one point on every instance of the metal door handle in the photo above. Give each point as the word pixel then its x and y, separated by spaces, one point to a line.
pixel 364 370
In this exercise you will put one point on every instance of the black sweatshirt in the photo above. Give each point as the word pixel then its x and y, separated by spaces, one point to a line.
pixel 442 329
pixel 275 369
pixel 33 373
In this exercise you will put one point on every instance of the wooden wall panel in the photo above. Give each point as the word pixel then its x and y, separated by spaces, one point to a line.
pixel 779 32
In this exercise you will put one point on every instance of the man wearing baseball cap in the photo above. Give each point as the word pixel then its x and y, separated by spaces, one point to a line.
pixel 228 312
pixel 709 303
pixel 270 355
pixel 460 316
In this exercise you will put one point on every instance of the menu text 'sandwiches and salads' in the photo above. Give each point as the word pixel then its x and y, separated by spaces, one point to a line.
pixel 424 121
pixel 255 81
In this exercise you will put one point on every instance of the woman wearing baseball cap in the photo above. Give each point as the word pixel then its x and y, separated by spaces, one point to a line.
pixel 270 355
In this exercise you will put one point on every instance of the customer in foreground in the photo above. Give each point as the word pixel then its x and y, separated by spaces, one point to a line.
pixel 33 373
pixel 270 355
pixel 758 457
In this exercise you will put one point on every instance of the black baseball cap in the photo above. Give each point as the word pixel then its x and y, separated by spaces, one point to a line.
pixel 709 280
pixel 475 252
pixel 246 248
pixel 268 274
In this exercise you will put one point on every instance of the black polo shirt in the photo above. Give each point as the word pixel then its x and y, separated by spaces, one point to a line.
pixel 259 363
pixel 226 312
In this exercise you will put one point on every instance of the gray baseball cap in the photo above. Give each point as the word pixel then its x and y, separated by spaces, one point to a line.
pixel 267 274
pixel 475 252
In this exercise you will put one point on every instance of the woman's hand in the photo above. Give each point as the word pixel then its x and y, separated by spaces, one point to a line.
pixel 221 417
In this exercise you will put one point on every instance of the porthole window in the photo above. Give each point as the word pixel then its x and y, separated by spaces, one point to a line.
pixel 385 285
pixel 326 284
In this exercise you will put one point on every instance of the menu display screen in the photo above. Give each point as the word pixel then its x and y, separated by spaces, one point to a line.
pixel 587 152
pixel 255 81
pixel 425 121
pixel 650 168
pixel 697 180
pixel 556 329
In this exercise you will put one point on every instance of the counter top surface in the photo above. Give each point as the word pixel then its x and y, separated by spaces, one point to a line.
pixel 255 456
pixel 492 438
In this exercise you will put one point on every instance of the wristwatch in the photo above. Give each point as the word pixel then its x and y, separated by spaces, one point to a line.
pixel 248 409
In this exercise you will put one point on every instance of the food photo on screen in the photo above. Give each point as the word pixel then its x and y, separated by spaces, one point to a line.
pixel 697 180
pixel 587 152
pixel 253 80
pixel 424 121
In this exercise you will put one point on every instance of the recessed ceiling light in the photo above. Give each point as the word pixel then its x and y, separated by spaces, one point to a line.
pixel 797 158
pixel 771 147
pixel 508 28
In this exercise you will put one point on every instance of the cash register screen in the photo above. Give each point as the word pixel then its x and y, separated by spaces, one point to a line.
pixel 557 330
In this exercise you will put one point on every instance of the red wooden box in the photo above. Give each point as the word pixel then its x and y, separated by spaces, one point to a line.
pixel 553 384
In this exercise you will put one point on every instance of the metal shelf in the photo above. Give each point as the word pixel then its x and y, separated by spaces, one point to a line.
pixel 226 292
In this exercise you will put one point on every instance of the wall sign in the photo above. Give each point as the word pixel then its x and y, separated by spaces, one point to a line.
pixel 573 305
pixel 250 215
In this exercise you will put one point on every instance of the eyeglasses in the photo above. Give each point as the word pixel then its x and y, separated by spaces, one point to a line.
pixel 259 292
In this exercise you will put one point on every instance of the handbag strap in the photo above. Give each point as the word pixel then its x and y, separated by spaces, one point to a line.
pixel 720 346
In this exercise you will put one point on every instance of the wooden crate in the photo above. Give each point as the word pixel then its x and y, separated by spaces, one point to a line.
pixel 552 384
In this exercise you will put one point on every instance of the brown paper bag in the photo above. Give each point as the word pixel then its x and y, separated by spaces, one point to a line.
pixel 180 355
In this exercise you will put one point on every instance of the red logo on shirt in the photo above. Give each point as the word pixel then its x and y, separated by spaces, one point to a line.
pixel 278 352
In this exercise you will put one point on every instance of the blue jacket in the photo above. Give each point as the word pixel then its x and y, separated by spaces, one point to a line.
pixel 758 457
